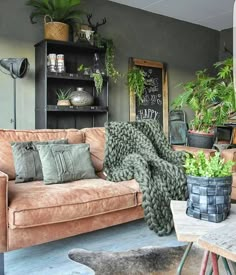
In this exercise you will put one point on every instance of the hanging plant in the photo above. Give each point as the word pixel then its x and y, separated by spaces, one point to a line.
pixel 109 60
pixel 98 81
pixel 136 82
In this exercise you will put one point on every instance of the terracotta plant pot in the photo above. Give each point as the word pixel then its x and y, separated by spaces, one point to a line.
pixel 65 102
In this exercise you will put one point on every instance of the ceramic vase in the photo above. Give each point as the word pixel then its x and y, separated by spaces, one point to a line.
pixel 80 97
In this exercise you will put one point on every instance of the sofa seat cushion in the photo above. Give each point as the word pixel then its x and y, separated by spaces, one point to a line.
pixel 33 203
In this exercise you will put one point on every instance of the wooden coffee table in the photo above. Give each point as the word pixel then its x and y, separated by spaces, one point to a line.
pixel 189 229
pixel 220 243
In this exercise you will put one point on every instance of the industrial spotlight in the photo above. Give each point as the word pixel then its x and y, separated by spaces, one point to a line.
pixel 17 68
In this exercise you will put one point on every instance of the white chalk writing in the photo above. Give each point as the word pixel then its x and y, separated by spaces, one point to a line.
pixel 148 114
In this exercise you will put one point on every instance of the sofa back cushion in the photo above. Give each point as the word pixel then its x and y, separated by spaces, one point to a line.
pixel 74 136
pixel 95 137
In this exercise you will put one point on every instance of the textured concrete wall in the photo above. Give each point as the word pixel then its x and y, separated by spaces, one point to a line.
pixel 183 46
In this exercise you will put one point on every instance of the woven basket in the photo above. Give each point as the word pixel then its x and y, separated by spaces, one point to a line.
pixel 209 198
pixel 55 30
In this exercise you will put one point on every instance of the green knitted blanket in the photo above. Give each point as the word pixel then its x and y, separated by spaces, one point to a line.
pixel 140 150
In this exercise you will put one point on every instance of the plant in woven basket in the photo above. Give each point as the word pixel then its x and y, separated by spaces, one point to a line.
pixel 136 82
pixel 201 166
pixel 59 10
pixel 209 182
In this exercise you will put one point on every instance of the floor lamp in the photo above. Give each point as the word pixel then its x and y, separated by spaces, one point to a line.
pixel 17 68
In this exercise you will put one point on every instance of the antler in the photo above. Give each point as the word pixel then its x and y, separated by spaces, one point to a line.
pixel 95 27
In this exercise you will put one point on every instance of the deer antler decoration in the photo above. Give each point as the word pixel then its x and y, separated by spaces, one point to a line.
pixel 93 26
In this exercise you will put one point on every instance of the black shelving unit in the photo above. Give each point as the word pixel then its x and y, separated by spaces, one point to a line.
pixel 47 113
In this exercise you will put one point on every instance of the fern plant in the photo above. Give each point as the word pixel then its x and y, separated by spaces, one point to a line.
pixel 201 166
pixel 59 10
pixel 211 98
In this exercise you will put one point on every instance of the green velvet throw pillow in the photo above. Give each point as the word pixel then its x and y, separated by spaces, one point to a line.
pixel 27 162
pixel 65 163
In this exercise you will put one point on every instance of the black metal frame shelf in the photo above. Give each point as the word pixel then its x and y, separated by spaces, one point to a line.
pixel 82 46
pixel 73 76
pixel 88 109
pixel 48 115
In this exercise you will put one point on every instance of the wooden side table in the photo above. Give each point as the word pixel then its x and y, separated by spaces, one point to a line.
pixel 189 229
pixel 220 243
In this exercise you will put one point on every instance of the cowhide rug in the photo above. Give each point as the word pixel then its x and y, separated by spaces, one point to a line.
pixel 143 261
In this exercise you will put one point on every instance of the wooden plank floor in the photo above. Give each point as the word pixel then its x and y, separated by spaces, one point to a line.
pixel 51 258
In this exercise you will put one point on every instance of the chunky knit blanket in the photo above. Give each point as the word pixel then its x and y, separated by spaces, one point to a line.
pixel 140 150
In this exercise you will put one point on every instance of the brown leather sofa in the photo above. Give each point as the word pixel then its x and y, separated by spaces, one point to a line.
pixel 32 213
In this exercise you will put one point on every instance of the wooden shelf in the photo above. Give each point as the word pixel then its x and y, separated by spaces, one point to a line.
pixel 85 109
pixel 73 76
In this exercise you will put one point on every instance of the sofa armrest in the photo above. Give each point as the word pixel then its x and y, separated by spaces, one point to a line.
pixel 194 150
pixel 229 154
pixel 3 211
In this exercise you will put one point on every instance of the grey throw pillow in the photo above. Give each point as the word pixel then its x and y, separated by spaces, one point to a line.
pixel 27 162
pixel 65 163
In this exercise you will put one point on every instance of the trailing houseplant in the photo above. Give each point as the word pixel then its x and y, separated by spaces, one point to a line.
pixel 136 82
pixel 66 13
pixel 211 98
pixel 109 60
pixel 209 181
pixel 98 81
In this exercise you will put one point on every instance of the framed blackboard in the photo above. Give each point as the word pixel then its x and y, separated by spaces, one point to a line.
pixel 155 99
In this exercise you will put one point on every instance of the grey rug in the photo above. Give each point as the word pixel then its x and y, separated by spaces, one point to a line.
pixel 143 261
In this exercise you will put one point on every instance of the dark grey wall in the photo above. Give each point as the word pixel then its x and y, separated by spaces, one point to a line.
pixel 226 40
pixel 183 46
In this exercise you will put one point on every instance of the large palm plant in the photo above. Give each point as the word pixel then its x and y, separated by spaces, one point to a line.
pixel 65 11
pixel 211 98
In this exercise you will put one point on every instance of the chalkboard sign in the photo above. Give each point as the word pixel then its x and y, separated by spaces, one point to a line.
pixel 155 99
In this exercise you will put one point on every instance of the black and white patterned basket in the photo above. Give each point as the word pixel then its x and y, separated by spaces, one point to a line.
pixel 209 198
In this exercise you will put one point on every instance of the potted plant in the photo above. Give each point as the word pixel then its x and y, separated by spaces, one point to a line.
pixel 212 100
pixel 61 15
pixel 136 82
pixel 98 81
pixel 209 183
pixel 97 77
pixel 109 60
pixel 63 97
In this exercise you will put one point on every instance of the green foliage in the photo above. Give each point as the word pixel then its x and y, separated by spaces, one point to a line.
pixel 136 82
pixel 63 94
pixel 201 166
pixel 98 81
pixel 109 60
pixel 84 70
pixel 211 98
pixel 59 10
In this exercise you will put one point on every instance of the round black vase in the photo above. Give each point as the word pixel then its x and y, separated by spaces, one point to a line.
pixel 201 140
